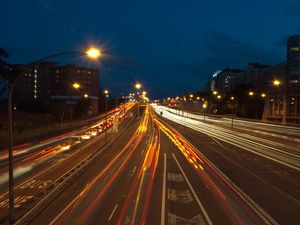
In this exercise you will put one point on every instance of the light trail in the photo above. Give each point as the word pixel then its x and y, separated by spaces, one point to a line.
pixel 142 184
pixel 104 179
pixel 236 204
pixel 287 155
pixel 274 128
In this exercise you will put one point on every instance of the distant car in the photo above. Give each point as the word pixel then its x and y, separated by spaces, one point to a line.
pixel 75 139
pixel 94 132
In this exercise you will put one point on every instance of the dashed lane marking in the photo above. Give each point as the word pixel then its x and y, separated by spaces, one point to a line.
pixel 193 191
pixel 112 213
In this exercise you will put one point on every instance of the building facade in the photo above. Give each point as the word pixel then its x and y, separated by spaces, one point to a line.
pixel 48 82
pixel 224 81
pixel 283 100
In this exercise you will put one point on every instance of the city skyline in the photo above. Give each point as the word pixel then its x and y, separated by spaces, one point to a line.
pixel 192 41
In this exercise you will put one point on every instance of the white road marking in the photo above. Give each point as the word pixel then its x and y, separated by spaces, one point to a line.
pixel 180 196
pixel 47 169
pixel 176 177
pixel 163 197
pixel 133 170
pixel 196 220
pixel 112 213
pixel 193 191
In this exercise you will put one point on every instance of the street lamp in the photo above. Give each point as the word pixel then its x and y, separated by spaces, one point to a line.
pixel 251 93
pixel 263 95
pixel 106 96
pixel 76 85
pixel 86 95
pixel 231 100
pixel 138 86
pixel 93 53
pixel 204 106
pixel 276 82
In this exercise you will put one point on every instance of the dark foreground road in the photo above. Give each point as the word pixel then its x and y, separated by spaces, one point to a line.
pixel 152 175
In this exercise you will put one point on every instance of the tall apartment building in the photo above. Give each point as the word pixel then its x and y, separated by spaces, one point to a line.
pixel 224 81
pixel 48 82
pixel 293 59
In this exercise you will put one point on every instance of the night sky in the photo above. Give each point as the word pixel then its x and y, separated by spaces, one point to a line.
pixel 171 46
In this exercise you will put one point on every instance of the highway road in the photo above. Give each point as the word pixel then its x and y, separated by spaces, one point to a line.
pixel 152 175
pixel 161 169
pixel 266 170
pixel 264 128
pixel 40 168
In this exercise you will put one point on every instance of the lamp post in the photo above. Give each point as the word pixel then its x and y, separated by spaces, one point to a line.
pixel 106 96
pixel 76 86
pixel 91 53
pixel 231 100
pixel 138 86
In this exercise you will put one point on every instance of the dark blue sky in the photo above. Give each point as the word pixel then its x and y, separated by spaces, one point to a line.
pixel 171 46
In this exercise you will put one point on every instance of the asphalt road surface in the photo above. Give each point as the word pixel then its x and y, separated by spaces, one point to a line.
pixel 159 172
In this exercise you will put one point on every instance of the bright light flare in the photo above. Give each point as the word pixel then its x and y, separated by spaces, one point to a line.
pixel 138 85
pixel 76 85
pixel 93 53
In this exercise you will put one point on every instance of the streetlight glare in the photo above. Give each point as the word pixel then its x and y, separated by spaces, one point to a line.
pixel 219 96
pixel 232 98
pixel 251 93
pixel 215 92
pixel 76 85
pixel 86 95
pixel 138 85
pixel 263 95
pixel 276 82
pixel 106 91
pixel 93 53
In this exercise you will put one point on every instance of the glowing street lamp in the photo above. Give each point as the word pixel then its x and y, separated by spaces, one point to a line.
pixel 263 95
pixel 138 86
pixel 276 82
pixel 106 96
pixel 219 96
pixel 251 93
pixel 191 95
pixel 215 92
pixel 76 85
pixel 86 95
pixel 93 53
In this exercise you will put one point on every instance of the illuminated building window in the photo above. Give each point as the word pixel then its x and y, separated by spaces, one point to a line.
pixel 294 49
